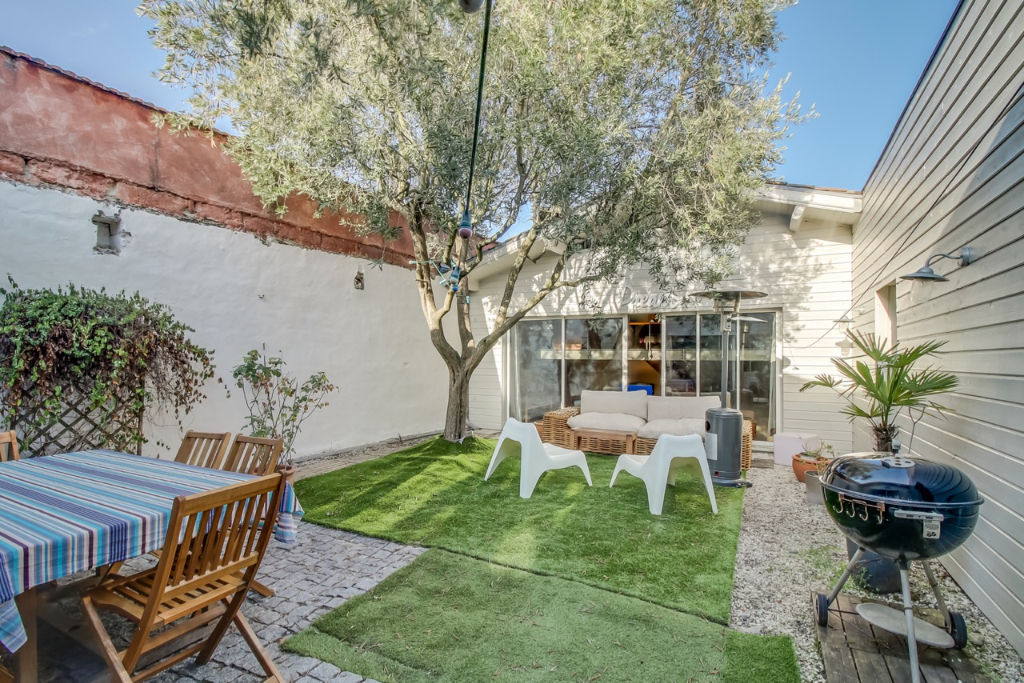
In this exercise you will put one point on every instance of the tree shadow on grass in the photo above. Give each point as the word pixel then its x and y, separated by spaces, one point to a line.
pixel 434 495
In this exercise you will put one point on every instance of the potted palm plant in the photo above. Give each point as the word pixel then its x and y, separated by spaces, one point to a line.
pixel 879 394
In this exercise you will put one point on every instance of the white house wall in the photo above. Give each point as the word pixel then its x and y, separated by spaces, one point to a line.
pixel 239 293
pixel 952 143
pixel 805 274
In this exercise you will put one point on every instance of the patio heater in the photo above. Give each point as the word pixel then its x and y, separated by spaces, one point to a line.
pixel 724 426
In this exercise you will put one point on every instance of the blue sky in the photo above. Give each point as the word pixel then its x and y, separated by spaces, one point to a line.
pixel 856 60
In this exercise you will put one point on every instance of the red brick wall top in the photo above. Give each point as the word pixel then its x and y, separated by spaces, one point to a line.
pixel 59 129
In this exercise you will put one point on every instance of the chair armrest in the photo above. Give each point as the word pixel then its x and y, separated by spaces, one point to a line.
pixel 555 428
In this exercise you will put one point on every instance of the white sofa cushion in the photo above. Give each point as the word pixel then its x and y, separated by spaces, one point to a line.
pixel 624 402
pixel 680 407
pixel 681 427
pixel 616 422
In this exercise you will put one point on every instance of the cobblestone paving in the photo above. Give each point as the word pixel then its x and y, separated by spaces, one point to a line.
pixel 322 570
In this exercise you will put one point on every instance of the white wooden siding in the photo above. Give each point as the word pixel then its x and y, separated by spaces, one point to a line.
pixel 807 276
pixel 951 175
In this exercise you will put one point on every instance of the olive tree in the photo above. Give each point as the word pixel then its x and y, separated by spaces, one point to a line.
pixel 631 131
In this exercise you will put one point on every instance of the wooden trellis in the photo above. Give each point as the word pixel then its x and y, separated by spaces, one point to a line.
pixel 77 426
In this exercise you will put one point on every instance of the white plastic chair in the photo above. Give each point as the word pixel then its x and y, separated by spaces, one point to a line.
pixel 536 456
pixel 658 469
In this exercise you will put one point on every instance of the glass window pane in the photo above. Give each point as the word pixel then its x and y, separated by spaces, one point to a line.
pixel 643 353
pixel 681 354
pixel 757 373
pixel 536 369
pixel 593 356
pixel 710 354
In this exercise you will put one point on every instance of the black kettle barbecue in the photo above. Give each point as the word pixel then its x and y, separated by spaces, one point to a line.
pixel 906 509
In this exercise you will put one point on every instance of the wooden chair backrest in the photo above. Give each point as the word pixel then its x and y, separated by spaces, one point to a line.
pixel 254 455
pixel 203 449
pixel 223 532
pixel 8 446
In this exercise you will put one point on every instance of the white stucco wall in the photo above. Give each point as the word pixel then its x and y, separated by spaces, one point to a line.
pixel 239 293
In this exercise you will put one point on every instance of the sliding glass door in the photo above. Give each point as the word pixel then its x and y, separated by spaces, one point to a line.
pixel 554 360
pixel 681 355
pixel 536 377
pixel 593 356
pixel 757 371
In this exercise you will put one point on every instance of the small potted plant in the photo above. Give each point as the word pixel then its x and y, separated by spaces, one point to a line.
pixel 814 453
pixel 278 404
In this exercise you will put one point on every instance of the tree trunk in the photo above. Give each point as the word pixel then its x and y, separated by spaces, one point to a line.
pixel 458 404
pixel 883 438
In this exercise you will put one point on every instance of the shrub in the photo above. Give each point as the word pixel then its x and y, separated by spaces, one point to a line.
pixel 119 354
pixel 277 403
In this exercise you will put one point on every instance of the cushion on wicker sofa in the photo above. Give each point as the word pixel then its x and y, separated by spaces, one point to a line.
pixel 680 427
pixel 617 422
pixel 680 407
pixel 625 402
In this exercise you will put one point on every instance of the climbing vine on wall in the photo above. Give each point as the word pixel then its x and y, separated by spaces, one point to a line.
pixel 108 357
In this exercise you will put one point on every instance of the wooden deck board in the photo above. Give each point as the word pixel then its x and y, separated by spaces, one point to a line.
pixel 854 651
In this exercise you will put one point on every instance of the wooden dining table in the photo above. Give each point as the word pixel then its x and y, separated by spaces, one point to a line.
pixel 72 512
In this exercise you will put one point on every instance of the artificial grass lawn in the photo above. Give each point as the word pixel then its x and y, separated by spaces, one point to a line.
pixel 448 617
pixel 434 495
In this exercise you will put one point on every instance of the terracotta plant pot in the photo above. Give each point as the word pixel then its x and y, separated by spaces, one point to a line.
pixel 802 465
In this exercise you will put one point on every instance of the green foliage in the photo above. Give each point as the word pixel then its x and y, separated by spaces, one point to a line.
pixel 632 127
pixel 125 353
pixel 633 132
pixel 823 449
pixel 878 393
pixel 277 403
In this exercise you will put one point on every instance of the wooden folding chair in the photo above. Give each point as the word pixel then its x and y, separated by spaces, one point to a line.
pixel 8 451
pixel 253 455
pixel 203 449
pixel 200 579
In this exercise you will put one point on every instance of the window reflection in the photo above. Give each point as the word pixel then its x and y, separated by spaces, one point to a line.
pixel 536 373
pixel 593 356
pixel 681 341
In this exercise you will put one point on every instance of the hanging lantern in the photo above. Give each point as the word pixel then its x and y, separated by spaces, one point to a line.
pixel 471 6
pixel 465 226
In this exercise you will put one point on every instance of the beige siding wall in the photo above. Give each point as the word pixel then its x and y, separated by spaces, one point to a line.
pixel 952 176
pixel 806 275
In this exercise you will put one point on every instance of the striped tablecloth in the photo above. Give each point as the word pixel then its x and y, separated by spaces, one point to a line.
pixel 61 514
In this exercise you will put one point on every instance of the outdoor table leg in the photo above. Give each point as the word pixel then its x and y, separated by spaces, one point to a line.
pixel 25 659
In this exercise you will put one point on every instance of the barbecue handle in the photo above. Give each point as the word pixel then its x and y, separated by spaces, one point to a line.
pixel 931 522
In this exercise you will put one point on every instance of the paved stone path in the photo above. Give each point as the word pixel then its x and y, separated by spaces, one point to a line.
pixel 323 569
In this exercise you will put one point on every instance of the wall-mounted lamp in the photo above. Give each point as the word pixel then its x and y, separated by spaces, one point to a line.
pixel 844 322
pixel 108 233
pixel 925 272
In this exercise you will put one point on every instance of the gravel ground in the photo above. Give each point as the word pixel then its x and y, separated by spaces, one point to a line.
pixel 788 548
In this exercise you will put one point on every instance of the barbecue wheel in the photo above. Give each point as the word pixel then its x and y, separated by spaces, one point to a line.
pixel 958 629
pixel 821 609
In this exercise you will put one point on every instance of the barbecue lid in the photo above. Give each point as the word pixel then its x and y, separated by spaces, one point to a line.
pixel 882 477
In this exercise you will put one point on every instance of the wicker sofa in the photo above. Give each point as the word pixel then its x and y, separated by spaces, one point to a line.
pixel 618 422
